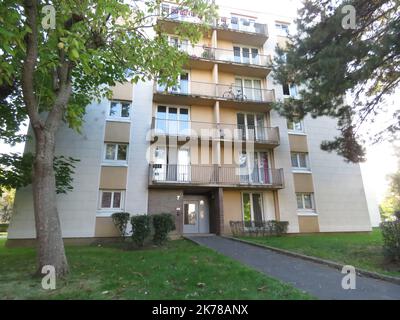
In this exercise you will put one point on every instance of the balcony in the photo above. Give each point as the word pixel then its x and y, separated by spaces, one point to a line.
pixel 242 30
pixel 239 30
pixel 228 176
pixel 205 93
pixel 183 130
pixel 204 57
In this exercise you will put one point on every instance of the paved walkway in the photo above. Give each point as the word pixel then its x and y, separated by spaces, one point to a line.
pixel 319 280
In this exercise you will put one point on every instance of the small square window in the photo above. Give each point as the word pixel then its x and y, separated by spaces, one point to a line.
pixel 119 109
pixel 115 152
pixel 111 200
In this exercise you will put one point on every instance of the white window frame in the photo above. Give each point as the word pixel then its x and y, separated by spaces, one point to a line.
pixel 119 116
pixel 292 87
pixel 294 124
pixel 251 205
pixel 168 121
pixel 241 47
pixel 298 167
pixel 304 209
pixel 282 29
pixel 122 202
pixel 115 160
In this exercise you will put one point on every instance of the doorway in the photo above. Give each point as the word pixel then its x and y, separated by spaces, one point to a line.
pixel 196 214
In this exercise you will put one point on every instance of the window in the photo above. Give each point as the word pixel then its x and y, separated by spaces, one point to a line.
pixel 119 109
pixel 252 207
pixel 282 29
pixel 246 55
pixel 249 88
pixel 305 201
pixel 116 152
pixel 111 199
pixel 300 161
pixel 290 89
pixel 296 125
pixel 172 120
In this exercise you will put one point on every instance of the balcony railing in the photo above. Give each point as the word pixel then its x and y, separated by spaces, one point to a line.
pixel 219 91
pixel 232 23
pixel 208 130
pixel 225 55
pixel 215 175
pixel 242 24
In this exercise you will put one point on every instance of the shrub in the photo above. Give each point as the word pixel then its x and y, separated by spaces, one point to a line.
pixel 121 220
pixel 391 239
pixel 163 223
pixel 3 227
pixel 278 227
pixel 140 228
pixel 258 228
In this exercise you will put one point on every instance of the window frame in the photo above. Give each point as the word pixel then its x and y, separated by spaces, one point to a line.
pixel 293 123
pixel 119 116
pixel 282 29
pixel 261 194
pixel 307 168
pixel 304 209
pixel 111 209
pixel 115 160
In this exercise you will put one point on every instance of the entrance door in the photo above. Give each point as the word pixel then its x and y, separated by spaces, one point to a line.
pixel 191 216
pixel 196 214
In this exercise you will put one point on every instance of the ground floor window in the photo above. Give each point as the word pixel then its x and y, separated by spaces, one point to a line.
pixel 110 199
pixel 305 201
pixel 252 207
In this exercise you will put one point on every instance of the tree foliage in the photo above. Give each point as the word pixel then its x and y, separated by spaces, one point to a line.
pixel 328 61
pixel 52 74
pixel 391 203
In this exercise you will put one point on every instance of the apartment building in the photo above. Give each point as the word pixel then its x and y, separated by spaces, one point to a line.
pixel 209 150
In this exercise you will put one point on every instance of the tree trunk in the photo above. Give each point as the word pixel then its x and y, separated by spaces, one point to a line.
pixel 48 228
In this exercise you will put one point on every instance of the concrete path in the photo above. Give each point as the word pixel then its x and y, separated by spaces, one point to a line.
pixel 319 280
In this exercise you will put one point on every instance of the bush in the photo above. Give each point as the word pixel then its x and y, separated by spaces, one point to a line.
pixel 121 220
pixel 278 227
pixel 3 227
pixel 140 228
pixel 258 228
pixel 391 239
pixel 163 223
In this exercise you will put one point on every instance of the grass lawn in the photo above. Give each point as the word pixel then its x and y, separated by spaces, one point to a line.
pixel 363 250
pixel 180 270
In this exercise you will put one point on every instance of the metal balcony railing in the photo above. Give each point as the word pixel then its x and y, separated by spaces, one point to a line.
pixel 215 175
pixel 237 132
pixel 242 24
pixel 225 55
pixel 219 91
pixel 232 23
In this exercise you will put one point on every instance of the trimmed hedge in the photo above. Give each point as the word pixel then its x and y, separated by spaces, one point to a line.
pixel 259 228
pixel 140 228
pixel 391 239
pixel 121 220
pixel 163 224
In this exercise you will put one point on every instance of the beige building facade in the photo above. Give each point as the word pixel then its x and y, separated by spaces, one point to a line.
pixel 209 151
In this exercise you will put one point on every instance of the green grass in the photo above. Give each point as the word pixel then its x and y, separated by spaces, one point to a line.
pixel 362 250
pixel 180 270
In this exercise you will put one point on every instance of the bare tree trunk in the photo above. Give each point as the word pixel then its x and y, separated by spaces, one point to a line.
pixel 48 228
